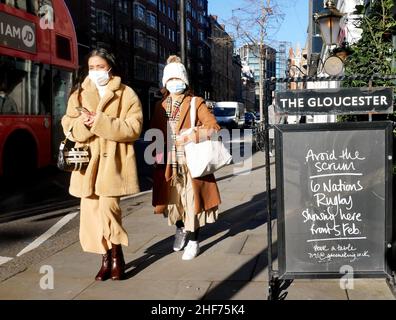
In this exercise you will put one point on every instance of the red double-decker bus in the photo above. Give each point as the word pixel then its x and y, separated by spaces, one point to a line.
pixel 38 55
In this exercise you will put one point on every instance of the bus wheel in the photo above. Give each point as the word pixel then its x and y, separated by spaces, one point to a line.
pixel 20 155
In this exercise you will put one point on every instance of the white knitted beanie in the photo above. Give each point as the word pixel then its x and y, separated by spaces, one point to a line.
pixel 174 69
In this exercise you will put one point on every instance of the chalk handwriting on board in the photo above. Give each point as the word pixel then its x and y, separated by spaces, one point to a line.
pixel 334 181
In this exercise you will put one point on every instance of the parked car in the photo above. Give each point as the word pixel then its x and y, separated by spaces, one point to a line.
pixel 230 114
pixel 250 120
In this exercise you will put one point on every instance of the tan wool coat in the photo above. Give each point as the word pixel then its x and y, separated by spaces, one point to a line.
pixel 112 169
pixel 206 192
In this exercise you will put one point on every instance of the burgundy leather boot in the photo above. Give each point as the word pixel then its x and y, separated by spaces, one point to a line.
pixel 117 262
pixel 105 270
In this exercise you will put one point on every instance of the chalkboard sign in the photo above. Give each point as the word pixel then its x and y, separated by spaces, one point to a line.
pixel 334 186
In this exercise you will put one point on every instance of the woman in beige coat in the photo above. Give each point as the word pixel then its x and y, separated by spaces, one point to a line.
pixel 109 121
pixel 189 203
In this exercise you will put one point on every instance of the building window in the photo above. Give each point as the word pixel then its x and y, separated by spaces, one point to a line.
pixel 104 22
pixel 152 72
pixel 201 3
pixel 123 33
pixel 194 14
pixel 201 68
pixel 201 19
pixel 152 45
pixel 188 25
pixel 151 20
pixel 126 34
pixel 201 35
pixel 123 6
pixel 140 69
pixel 188 7
pixel 189 45
pixel 163 7
pixel 140 39
pixel 162 52
pixel 140 12
pixel 201 53
pixel 154 2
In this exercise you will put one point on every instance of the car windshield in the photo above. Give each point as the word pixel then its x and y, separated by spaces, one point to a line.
pixel 224 112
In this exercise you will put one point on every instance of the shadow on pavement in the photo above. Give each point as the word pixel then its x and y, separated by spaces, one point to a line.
pixel 228 288
pixel 236 220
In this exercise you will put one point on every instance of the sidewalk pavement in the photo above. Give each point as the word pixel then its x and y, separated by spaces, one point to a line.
pixel 232 263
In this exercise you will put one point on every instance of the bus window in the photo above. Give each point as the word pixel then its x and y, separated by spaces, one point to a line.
pixel 10 78
pixel 62 83
pixel 19 4
pixel 21 83
pixel 31 6
pixel 63 48
pixel 45 90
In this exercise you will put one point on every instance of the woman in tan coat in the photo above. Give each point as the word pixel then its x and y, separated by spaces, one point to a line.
pixel 106 115
pixel 189 203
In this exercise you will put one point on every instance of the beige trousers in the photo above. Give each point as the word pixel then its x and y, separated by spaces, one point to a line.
pixel 100 224
pixel 181 205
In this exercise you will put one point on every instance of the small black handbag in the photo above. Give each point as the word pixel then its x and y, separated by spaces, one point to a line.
pixel 72 158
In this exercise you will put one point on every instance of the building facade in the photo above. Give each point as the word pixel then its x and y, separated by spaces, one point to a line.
pixel 314 38
pixel 250 55
pixel 226 67
pixel 142 34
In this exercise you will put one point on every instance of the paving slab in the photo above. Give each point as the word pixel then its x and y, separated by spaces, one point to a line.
pixel 210 267
pixel 255 244
pixel 138 289
pixel 370 289
pixel 237 290
pixel 26 286
pixel 316 290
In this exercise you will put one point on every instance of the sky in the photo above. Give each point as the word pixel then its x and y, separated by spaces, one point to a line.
pixel 295 18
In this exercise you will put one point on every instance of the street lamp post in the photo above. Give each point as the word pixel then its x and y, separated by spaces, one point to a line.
pixel 329 23
pixel 183 35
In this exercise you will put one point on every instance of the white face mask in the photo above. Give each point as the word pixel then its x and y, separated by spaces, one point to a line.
pixel 99 77
pixel 176 86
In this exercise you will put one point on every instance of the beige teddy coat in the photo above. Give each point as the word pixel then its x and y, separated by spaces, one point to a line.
pixel 112 169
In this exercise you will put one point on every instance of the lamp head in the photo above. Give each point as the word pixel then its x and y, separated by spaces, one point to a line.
pixel 329 23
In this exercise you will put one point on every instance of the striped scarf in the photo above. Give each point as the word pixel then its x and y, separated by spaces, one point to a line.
pixel 173 109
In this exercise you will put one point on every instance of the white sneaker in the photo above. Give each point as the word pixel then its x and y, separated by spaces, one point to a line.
pixel 191 250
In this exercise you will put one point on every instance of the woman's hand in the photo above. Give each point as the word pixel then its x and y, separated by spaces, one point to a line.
pixel 88 118
pixel 203 134
pixel 186 138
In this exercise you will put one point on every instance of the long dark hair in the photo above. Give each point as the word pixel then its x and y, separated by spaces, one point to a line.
pixel 83 70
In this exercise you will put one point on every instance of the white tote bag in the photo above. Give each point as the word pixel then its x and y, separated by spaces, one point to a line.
pixel 205 157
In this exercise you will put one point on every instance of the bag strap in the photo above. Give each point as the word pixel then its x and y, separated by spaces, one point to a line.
pixel 69 132
pixel 193 112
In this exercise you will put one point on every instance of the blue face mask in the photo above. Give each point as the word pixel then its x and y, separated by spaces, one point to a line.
pixel 176 86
